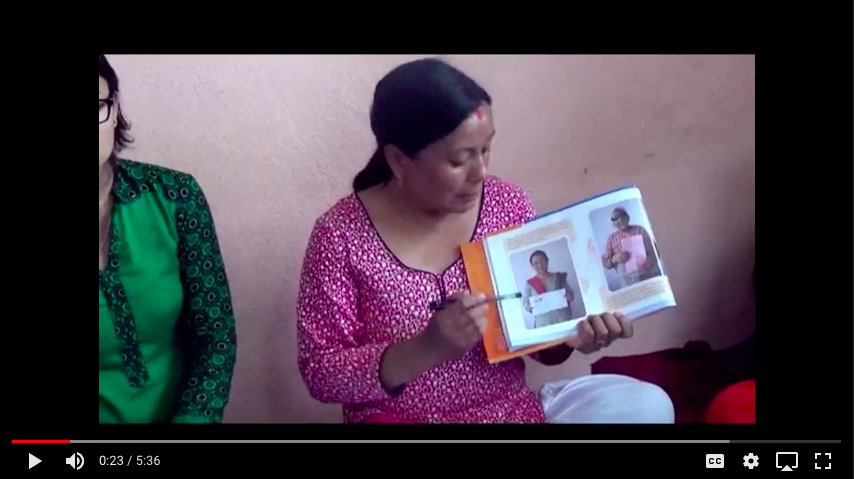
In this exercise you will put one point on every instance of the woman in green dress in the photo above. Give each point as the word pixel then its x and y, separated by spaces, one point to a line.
pixel 166 327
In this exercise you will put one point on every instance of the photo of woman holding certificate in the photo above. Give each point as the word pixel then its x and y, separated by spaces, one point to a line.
pixel 548 295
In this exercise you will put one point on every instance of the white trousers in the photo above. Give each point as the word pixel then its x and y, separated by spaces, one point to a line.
pixel 606 399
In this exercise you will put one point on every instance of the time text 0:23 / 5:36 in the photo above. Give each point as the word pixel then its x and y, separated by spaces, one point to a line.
pixel 129 461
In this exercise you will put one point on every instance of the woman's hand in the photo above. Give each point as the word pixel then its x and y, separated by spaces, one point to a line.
pixel 452 332
pixel 569 294
pixel 599 331
pixel 457 327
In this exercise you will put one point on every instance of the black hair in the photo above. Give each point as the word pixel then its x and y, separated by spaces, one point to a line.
pixel 122 138
pixel 622 212
pixel 538 253
pixel 415 105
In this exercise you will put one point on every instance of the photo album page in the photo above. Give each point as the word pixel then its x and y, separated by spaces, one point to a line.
pixel 596 256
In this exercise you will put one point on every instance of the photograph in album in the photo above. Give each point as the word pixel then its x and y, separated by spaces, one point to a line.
pixel 599 255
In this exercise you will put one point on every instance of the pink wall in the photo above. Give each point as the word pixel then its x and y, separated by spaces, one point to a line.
pixel 276 139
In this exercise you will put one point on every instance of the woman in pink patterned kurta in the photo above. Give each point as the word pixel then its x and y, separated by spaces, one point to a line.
pixel 386 326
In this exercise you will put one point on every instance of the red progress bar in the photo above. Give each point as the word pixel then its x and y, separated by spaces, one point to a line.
pixel 30 441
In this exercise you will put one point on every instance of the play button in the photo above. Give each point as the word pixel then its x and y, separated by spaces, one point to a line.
pixel 34 461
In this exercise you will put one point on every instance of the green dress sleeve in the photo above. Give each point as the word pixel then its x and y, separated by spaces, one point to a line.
pixel 207 319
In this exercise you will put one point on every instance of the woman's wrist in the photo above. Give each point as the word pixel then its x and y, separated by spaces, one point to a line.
pixel 405 361
pixel 426 356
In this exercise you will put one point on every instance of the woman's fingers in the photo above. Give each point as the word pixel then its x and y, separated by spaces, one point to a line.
pixel 598 324
pixel 586 333
pixel 477 311
pixel 626 325
pixel 473 301
pixel 473 314
pixel 612 324
pixel 479 321
pixel 600 330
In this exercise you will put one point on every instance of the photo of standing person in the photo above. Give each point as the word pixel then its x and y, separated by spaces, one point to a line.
pixel 628 250
pixel 546 269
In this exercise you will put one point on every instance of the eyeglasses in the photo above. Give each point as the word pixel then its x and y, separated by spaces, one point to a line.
pixel 105 108
pixel 616 218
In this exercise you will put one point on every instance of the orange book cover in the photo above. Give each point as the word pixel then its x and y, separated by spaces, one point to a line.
pixel 480 281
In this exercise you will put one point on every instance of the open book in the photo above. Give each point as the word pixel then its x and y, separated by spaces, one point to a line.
pixel 595 256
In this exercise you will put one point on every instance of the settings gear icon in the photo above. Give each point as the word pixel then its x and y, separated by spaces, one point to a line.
pixel 751 460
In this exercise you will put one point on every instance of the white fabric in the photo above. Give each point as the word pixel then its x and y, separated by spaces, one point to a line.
pixel 606 399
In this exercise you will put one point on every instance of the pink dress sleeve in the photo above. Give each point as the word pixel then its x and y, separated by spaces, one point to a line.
pixel 527 212
pixel 335 365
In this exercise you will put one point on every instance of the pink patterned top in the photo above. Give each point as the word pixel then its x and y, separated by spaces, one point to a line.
pixel 356 299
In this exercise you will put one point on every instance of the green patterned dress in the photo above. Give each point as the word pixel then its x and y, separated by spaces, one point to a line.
pixel 166 328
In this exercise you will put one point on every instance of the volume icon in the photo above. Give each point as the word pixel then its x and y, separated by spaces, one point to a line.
pixel 75 461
